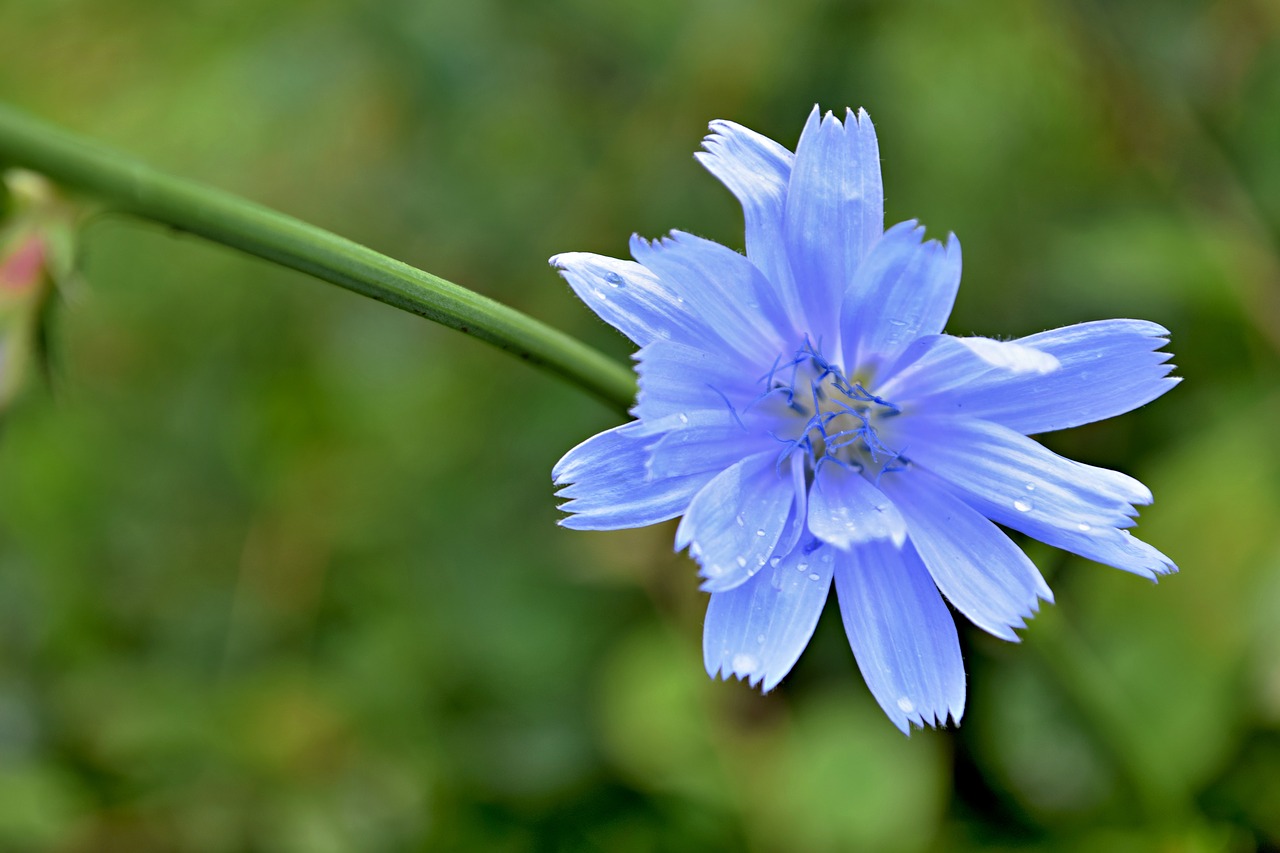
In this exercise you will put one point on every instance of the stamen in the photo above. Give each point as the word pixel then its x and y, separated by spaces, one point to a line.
pixel 732 410
pixel 832 396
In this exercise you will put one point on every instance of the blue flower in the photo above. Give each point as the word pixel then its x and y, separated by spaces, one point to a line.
pixel 802 410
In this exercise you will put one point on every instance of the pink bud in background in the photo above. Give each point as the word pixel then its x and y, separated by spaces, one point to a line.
pixel 22 269
pixel 36 238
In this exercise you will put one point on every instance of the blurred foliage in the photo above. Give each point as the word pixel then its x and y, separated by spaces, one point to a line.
pixel 279 569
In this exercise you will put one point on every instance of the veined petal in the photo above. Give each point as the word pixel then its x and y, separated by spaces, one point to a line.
pixel 1107 368
pixel 732 299
pixel 609 487
pixel 702 440
pixel 834 213
pixel 904 289
pixel 626 296
pixel 733 524
pixel 757 170
pixel 902 634
pixel 974 564
pixel 758 629
pixel 676 378
pixel 846 510
pixel 938 364
pixel 798 523
pixel 1013 480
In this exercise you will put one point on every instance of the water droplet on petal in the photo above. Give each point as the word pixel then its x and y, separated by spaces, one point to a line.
pixel 614 279
pixel 684 419
pixel 760 638
pixel 906 705
pixel 1083 528
pixel 1031 487
pixel 760 531
pixel 742 522
pixel 742 562
pixel 1022 506
pixel 802 566
pixel 774 561
pixel 814 576
pixel 745 664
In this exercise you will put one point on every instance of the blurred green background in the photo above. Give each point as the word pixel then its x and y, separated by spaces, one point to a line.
pixel 279 568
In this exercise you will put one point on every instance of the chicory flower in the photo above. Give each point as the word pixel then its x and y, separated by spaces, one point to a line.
pixel 803 411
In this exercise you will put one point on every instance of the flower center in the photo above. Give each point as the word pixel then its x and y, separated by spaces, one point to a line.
pixel 826 414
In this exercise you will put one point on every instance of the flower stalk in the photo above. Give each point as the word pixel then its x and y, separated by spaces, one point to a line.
pixel 124 185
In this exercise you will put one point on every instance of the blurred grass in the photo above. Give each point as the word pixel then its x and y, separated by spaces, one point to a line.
pixel 279 569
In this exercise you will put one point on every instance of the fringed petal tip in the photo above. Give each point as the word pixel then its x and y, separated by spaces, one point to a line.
pixel 909 719
pixel 757 630
pixel 902 635
pixel 624 294
pixel 742 667
pixel 1131 554
pixel 1043 595
pixel 609 488
pixel 851 116
pixel 740 154
pixel 751 670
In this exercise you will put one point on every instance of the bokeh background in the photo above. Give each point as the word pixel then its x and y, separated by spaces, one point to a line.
pixel 279 568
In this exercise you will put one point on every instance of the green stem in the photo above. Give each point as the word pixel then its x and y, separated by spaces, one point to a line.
pixel 131 187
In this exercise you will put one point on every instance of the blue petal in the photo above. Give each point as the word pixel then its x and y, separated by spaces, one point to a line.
pixel 1108 367
pixel 834 213
pixel 902 634
pixel 798 523
pixel 937 365
pixel 903 290
pixel 976 566
pixel 610 487
pixel 757 630
pixel 676 378
pixel 732 299
pixel 757 170
pixel 701 441
pixel 626 296
pixel 1013 480
pixel 846 510
pixel 733 524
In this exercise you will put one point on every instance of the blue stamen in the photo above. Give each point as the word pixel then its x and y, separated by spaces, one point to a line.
pixel 732 410
pixel 832 395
